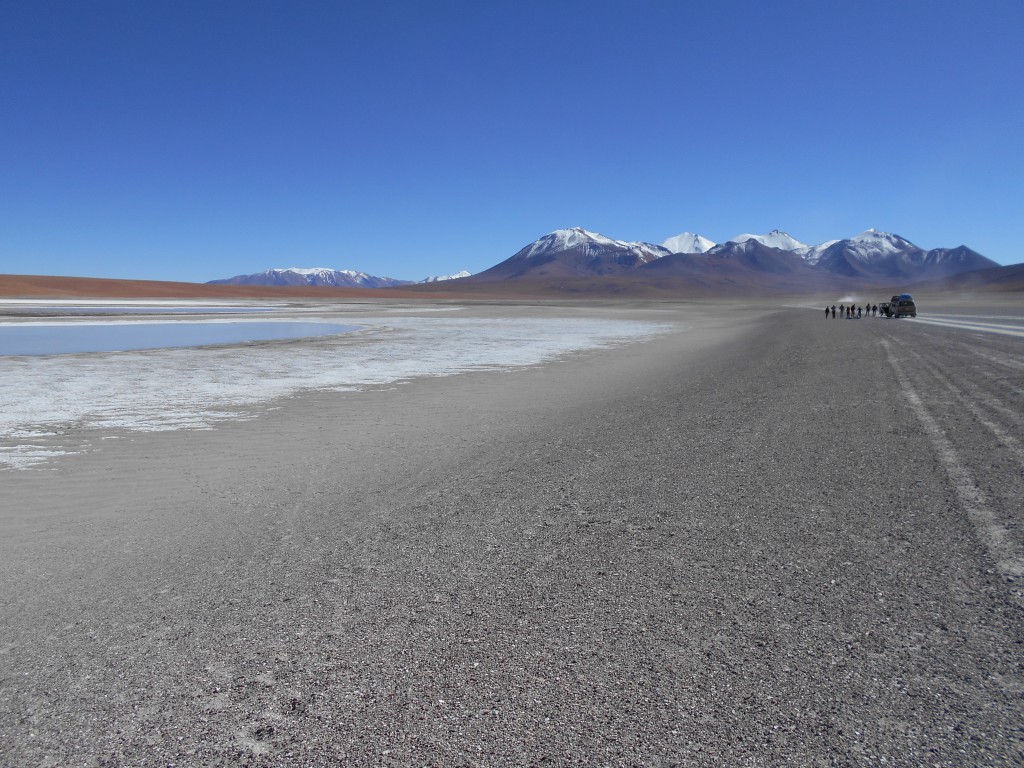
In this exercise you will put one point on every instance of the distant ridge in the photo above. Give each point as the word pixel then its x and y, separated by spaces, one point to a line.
pixel 444 278
pixel 773 260
pixel 1008 279
pixel 58 287
pixel 325 276
pixel 666 278
pixel 577 260
pixel 322 276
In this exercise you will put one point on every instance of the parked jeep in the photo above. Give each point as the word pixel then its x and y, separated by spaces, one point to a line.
pixel 901 305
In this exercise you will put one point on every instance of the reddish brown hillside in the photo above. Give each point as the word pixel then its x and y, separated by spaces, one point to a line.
pixel 46 286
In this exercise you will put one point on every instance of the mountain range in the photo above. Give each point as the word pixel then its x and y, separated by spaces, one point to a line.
pixel 325 276
pixel 775 260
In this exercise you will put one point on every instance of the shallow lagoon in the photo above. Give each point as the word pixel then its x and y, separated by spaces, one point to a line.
pixel 76 338
pixel 124 309
pixel 61 403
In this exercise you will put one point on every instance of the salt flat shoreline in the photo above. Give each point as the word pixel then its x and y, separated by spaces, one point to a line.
pixel 701 549
pixel 61 403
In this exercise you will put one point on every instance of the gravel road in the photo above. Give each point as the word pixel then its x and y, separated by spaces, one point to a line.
pixel 767 540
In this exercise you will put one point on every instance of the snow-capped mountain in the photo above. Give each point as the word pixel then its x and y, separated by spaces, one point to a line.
pixel 813 254
pixel 871 255
pixel 688 243
pixel 442 278
pixel 774 239
pixel 576 237
pixel 574 252
pixel 882 254
pixel 872 245
pixel 344 278
pixel 324 276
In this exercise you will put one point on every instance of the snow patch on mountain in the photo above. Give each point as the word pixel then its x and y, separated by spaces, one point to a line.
pixel 338 277
pixel 305 270
pixel 442 278
pixel 326 275
pixel 812 255
pixel 774 239
pixel 688 242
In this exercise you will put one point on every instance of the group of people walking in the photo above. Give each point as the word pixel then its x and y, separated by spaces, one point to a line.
pixel 851 312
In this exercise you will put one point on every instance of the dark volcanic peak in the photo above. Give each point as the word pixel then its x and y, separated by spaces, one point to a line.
pixel 962 258
pixel 1009 279
pixel 941 262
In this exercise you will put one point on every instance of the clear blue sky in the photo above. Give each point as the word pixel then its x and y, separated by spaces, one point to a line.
pixel 198 140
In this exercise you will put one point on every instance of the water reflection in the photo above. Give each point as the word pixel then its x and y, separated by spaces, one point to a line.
pixel 77 309
pixel 73 338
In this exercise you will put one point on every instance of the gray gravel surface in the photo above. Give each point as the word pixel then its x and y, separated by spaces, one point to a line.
pixel 746 548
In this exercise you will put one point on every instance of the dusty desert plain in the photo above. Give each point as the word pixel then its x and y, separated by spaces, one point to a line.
pixel 756 537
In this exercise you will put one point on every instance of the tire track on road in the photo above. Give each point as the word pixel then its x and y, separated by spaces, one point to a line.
pixel 1007 362
pixel 997 328
pixel 1008 441
pixel 998 358
pixel 994 536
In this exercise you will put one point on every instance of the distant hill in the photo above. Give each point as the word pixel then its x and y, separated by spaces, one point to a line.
pixel 325 276
pixel 48 286
pixel 996 279
pixel 322 276
pixel 445 278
